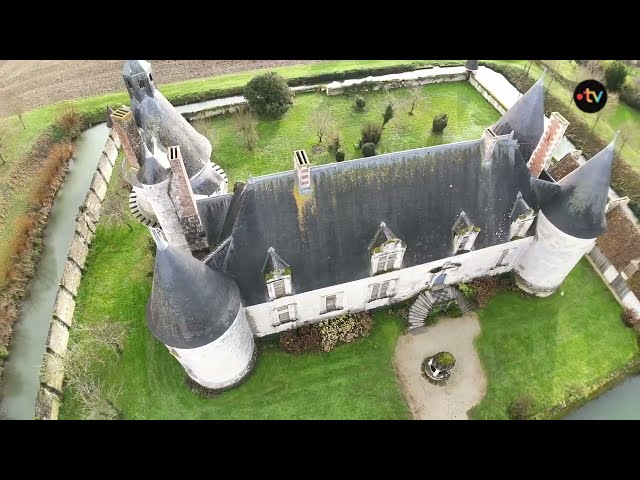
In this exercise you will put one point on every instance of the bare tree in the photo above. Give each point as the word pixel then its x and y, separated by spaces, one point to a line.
pixel 245 123
pixel 4 140
pixel 108 334
pixel 115 208
pixel 16 104
pixel 416 96
pixel 628 131
pixel 321 123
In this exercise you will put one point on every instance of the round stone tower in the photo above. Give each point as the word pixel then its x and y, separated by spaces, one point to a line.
pixel 197 313
pixel 571 217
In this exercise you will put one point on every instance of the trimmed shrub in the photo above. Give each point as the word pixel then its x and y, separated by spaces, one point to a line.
pixel 360 103
pixel 345 329
pixel 444 360
pixel 615 75
pixel 520 409
pixel 334 142
pixel 269 95
pixel 387 115
pixel 339 155
pixel 630 318
pixel 301 340
pixel 440 122
pixel 371 133
pixel 369 149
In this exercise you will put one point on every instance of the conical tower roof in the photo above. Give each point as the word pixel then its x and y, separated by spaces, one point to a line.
pixel 155 167
pixel 579 208
pixel 471 65
pixel 191 304
pixel 526 119
pixel 135 67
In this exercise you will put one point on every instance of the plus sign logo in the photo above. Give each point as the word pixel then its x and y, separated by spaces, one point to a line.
pixel 590 96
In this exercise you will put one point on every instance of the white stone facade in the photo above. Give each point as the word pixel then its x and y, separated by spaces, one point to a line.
pixel 404 283
pixel 552 255
pixel 223 362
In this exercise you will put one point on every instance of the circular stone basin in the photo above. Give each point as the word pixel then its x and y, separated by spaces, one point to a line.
pixel 434 370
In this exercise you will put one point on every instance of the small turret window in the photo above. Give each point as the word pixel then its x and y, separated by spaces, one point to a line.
pixel 150 78
pixel 141 83
pixel 128 82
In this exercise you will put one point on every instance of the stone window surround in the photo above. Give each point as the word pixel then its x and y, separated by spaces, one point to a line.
pixel 390 248
pixel 289 309
pixel 271 286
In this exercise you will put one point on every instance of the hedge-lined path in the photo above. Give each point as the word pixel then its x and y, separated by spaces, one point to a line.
pixel 466 386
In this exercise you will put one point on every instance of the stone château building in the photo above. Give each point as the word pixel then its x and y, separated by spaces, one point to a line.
pixel 316 242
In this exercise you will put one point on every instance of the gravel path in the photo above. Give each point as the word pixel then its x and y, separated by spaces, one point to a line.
pixel 41 82
pixel 467 384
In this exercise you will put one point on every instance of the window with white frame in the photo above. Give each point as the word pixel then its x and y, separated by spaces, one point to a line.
pixel 502 259
pixel 380 290
pixel 332 303
pixel 522 216
pixel 284 314
pixel 388 257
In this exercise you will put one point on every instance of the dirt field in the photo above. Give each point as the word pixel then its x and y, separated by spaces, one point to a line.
pixel 41 82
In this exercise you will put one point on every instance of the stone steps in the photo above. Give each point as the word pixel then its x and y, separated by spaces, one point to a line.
pixel 424 303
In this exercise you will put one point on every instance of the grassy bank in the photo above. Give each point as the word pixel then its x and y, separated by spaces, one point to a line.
pixel 551 349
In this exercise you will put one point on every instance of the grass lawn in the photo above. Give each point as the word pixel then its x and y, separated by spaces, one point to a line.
pixel 352 381
pixel 468 113
pixel 551 347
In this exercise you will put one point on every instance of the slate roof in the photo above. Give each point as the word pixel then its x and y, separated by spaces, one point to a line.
pixel 154 169
pixel 526 119
pixel 191 305
pixel 325 235
pixel 578 208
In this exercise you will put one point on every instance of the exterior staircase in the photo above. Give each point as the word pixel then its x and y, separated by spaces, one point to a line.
pixel 432 298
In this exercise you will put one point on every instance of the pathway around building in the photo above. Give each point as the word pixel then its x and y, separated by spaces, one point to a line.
pixel 467 385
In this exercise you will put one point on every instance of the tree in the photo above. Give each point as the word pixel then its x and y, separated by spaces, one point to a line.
pixel 415 97
pixel 440 122
pixel 615 75
pixel 608 111
pixel 388 114
pixel 628 130
pixel 321 123
pixel 245 123
pixel 4 140
pixel 16 104
pixel 269 95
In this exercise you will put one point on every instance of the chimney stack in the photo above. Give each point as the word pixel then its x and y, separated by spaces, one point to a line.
pixel 551 138
pixel 489 139
pixel 125 126
pixel 182 197
pixel 303 167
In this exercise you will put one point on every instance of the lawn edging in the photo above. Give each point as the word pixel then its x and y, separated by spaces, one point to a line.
pixel 52 368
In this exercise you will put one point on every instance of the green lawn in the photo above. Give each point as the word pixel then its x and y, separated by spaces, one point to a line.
pixel 354 381
pixel 468 113
pixel 551 347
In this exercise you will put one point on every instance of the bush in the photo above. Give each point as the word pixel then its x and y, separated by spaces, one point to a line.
pixel 453 311
pixel 630 94
pixel 334 142
pixel 467 290
pixel 485 289
pixel 70 121
pixel 520 409
pixel 301 340
pixel 269 95
pixel 346 329
pixel 387 115
pixel 615 75
pixel 440 123
pixel 371 133
pixel 369 149
pixel 4 353
pixel 630 318
pixel 360 103
pixel 339 155
pixel 444 360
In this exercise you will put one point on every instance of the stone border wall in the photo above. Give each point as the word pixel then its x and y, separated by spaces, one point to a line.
pixel 488 96
pixel 52 370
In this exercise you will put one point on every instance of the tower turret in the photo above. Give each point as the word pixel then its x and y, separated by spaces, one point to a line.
pixel 197 313
pixel 571 217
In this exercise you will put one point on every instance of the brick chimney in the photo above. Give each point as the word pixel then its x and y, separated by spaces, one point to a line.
pixel 125 126
pixel 551 138
pixel 303 167
pixel 182 197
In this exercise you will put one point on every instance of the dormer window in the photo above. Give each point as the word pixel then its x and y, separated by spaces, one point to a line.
pixel 522 216
pixel 141 83
pixel 387 251
pixel 464 234
pixel 277 275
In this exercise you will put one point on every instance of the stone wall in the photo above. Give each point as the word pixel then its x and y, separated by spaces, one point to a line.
pixel 488 96
pixel 52 370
